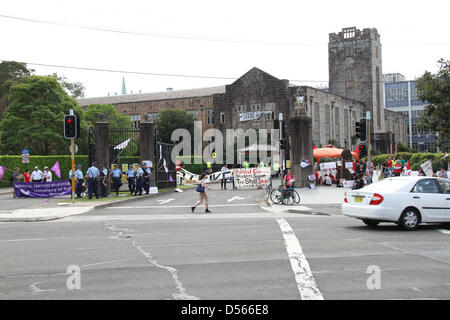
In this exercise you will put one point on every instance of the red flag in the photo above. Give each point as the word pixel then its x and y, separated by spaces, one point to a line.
pixel 315 147
pixel 356 150
pixel 408 169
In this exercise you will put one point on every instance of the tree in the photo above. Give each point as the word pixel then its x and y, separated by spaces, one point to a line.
pixel 114 117
pixel 11 72
pixel 171 119
pixel 75 89
pixel 34 118
pixel 435 89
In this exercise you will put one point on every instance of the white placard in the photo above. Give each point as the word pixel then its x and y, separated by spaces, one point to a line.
pixel 153 189
pixel 327 166
pixel 251 178
pixel 349 165
pixel 251 115
pixel 348 183
pixel 427 168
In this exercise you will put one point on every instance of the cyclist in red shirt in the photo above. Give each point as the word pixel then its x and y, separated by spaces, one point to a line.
pixel 27 175
pixel 288 180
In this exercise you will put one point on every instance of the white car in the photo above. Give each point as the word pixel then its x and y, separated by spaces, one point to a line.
pixel 406 201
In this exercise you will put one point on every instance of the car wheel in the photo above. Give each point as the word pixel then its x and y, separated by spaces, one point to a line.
pixel 409 220
pixel 371 223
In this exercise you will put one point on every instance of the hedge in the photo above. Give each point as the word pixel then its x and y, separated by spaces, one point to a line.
pixel 65 164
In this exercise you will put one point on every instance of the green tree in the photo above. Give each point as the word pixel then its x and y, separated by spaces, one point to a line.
pixel 34 118
pixel 111 115
pixel 11 72
pixel 435 89
pixel 171 119
pixel 75 89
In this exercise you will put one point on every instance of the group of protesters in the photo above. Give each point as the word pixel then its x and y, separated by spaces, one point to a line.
pixel 138 179
pixel 35 176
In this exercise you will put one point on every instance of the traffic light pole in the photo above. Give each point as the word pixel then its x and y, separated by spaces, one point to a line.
pixel 368 143
pixel 72 151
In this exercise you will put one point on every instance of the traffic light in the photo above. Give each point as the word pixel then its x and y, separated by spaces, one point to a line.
pixel 284 144
pixel 70 127
pixel 361 130
pixel 362 151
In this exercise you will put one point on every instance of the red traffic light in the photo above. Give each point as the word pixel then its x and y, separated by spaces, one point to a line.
pixel 68 120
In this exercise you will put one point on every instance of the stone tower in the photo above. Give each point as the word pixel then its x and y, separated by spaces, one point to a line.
pixel 354 66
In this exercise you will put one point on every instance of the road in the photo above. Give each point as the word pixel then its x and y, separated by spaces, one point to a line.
pixel 157 249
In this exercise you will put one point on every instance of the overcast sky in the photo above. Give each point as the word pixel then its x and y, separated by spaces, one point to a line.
pixel 225 39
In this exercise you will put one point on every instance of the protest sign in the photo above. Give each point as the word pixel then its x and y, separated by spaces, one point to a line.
pixel 327 166
pixel 427 168
pixel 249 178
pixel 42 189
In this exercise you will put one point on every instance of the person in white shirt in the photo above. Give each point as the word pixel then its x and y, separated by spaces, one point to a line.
pixel 223 181
pixel 47 175
pixel 36 175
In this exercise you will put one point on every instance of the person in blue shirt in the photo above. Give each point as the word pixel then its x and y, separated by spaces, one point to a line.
pixel 146 179
pixel 131 176
pixel 92 174
pixel 116 174
pixel 103 179
pixel 79 179
pixel 139 180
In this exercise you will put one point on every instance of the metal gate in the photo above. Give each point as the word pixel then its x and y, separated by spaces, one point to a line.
pixel 124 146
pixel 165 169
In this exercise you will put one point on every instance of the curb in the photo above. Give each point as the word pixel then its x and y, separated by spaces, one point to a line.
pixel 39 218
pixel 267 203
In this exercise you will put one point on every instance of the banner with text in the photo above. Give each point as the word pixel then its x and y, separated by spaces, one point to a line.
pixel 42 189
pixel 251 178
pixel 252 115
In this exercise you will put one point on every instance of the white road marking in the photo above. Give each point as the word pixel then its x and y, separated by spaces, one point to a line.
pixel 235 198
pixel 106 262
pixel 36 290
pixel 444 231
pixel 165 201
pixel 122 233
pixel 416 289
pixel 168 207
pixel 306 283
pixel 19 240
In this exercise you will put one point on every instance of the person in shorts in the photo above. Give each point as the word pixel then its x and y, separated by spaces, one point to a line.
pixel 201 189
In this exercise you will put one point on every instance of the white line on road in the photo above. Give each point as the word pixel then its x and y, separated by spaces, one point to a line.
pixel 106 262
pixel 444 231
pixel 165 201
pixel 36 290
pixel 168 207
pixel 306 284
pixel 235 198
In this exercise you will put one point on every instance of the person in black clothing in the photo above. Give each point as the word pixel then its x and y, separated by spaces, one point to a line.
pixel 445 162
pixel 359 182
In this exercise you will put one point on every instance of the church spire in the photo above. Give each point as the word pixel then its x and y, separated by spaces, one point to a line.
pixel 124 89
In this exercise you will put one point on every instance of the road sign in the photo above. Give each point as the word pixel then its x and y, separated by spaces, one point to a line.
pixel 25 158
pixel 76 148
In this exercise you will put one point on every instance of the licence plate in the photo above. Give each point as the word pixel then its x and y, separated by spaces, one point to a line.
pixel 358 199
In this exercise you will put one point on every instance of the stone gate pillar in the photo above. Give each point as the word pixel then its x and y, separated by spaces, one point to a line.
pixel 301 148
pixel 102 149
pixel 147 146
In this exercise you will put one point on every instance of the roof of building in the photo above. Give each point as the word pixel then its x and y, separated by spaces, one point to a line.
pixel 165 95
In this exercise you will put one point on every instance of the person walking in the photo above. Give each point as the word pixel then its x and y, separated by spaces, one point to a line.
pixel 445 161
pixel 93 175
pixel 36 175
pixel 223 181
pixel 139 178
pixel 103 179
pixel 116 173
pixel 47 174
pixel 201 189
pixel 79 180
pixel 131 178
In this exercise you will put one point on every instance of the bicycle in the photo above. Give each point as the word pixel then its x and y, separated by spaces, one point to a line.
pixel 284 195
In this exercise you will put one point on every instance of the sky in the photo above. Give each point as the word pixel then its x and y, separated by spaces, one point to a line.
pixel 214 41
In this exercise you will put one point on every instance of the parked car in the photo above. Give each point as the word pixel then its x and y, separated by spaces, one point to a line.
pixel 407 201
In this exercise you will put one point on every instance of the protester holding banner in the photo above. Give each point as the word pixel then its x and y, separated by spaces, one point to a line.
pixel 15 177
pixel 47 174
pixel 201 189
pixel 26 175
pixel 36 175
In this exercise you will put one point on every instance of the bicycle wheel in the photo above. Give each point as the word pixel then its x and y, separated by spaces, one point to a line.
pixel 276 196
pixel 288 199
pixel 296 197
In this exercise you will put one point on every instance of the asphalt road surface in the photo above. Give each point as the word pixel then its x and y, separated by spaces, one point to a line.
pixel 158 249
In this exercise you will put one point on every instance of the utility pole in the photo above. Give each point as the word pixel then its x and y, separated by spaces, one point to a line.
pixel 368 141
pixel 72 153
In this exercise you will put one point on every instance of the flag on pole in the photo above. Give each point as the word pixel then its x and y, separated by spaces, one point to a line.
pixel 165 166
pixel 123 145
pixel 170 178
pixel 2 172
pixel 408 169
pixel 315 147
pixel 56 169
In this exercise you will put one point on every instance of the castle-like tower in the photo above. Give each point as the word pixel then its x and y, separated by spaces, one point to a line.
pixel 355 72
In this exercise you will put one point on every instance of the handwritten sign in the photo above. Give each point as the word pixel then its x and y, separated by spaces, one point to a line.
pixel 250 178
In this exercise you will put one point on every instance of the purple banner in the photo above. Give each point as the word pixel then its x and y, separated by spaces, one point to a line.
pixel 42 189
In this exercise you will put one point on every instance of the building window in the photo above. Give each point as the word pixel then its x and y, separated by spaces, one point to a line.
pixel 349 51
pixel 270 107
pixel 136 118
pixel 153 116
pixel 241 108
pixel 350 93
pixel 222 117
pixel 256 107
pixel 194 113
pixel 209 116
pixel 349 32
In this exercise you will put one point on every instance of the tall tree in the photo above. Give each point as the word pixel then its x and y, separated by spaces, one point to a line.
pixel 171 119
pixel 75 89
pixel 34 119
pixel 435 89
pixel 114 117
pixel 11 72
